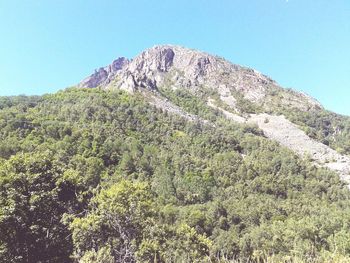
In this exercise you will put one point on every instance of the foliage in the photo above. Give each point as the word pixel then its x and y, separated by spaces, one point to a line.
pixel 94 176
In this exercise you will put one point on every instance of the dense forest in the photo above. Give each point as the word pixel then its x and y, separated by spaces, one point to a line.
pixel 94 176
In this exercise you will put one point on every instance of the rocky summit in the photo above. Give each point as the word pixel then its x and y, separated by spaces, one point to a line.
pixel 179 67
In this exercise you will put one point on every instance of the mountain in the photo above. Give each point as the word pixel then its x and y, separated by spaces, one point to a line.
pixel 177 67
pixel 173 156
pixel 241 94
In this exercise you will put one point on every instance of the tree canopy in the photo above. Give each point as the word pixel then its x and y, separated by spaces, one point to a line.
pixel 94 176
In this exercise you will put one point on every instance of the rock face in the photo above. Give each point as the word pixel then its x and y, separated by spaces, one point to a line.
pixel 178 67
pixel 103 76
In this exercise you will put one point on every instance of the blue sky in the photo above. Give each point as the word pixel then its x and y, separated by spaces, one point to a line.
pixel 47 45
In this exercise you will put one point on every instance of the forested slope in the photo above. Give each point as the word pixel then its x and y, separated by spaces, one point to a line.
pixel 95 176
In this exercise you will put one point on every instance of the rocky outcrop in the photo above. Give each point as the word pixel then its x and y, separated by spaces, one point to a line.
pixel 178 67
pixel 104 76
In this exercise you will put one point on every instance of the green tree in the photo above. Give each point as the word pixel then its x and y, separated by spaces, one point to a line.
pixel 117 218
pixel 31 211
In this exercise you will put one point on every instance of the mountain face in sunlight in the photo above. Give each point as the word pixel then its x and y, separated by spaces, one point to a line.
pixel 173 156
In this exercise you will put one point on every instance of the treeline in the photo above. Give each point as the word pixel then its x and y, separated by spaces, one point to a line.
pixel 94 176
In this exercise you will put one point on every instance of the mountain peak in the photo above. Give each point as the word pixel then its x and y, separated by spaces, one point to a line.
pixel 176 67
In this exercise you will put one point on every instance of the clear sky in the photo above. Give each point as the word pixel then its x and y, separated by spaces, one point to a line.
pixel 47 45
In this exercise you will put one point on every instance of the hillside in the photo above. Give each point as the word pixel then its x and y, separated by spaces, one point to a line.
pixel 163 73
pixel 173 156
